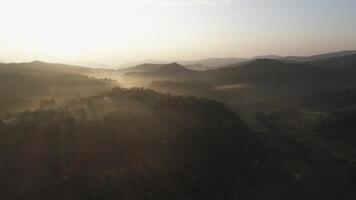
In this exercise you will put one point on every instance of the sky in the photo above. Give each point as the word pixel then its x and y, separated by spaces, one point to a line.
pixel 120 31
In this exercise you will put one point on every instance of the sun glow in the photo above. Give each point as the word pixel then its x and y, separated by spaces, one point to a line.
pixel 119 31
pixel 69 28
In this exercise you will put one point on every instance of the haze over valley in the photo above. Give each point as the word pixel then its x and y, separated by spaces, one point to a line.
pixel 177 99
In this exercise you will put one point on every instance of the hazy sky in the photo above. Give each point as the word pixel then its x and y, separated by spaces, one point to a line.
pixel 117 31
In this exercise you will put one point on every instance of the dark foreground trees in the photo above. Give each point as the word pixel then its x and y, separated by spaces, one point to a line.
pixel 127 144
pixel 140 144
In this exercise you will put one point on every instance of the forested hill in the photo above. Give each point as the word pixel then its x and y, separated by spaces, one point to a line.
pixel 23 85
pixel 168 71
pixel 346 63
pixel 41 67
pixel 267 71
pixel 318 74
pixel 125 144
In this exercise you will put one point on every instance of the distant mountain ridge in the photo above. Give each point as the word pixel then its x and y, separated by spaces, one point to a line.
pixel 35 66
pixel 214 63
pixel 320 73
pixel 320 56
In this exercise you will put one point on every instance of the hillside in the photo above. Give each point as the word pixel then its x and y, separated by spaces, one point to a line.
pixel 325 73
pixel 141 144
pixel 130 144
pixel 340 69
pixel 198 67
pixel 169 71
pixel 266 71
pixel 342 63
pixel 23 85
pixel 141 68
pixel 320 57
pixel 214 63
pixel 42 67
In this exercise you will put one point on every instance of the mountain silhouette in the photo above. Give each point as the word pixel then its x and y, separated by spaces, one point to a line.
pixel 320 56
pixel 344 62
pixel 173 70
pixel 214 63
pixel 36 67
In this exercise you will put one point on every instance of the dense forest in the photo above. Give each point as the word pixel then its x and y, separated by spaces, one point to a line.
pixel 260 129
pixel 140 144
